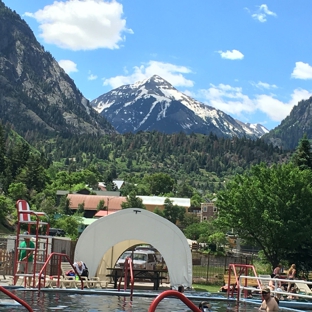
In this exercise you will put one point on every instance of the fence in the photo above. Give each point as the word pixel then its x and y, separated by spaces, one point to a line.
pixel 207 269
pixel 56 244
pixel 210 269
pixel 6 262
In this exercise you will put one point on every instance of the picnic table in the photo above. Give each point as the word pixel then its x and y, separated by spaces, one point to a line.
pixel 155 275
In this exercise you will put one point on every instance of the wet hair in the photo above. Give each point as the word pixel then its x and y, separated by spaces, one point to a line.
pixel 204 305
pixel 181 289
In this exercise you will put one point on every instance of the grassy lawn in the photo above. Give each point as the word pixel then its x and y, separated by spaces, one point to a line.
pixel 210 288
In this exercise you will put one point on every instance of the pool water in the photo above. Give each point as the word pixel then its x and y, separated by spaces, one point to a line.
pixel 53 301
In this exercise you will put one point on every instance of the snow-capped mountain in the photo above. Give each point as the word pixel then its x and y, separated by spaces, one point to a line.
pixel 154 104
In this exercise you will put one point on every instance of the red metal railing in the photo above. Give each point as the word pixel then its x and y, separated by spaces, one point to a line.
pixel 172 293
pixel 243 270
pixel 22 302
pixel 59 271
pixel 38 215
pixel 128 268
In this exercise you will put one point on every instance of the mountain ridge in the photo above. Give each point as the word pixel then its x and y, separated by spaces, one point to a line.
pixel 156 105
pixel 33 84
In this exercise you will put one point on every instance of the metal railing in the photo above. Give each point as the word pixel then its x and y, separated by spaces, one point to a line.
pixel 128 268
pixel 59 271
pixel 243 268
pixel 14 297
pixel 274 291
pixel 173 293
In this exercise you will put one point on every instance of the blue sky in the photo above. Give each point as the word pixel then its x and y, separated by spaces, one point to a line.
pixel 250 59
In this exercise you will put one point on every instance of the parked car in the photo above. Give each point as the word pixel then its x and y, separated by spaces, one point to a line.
pixel 56 232
pixel 150 248
pixel 141 259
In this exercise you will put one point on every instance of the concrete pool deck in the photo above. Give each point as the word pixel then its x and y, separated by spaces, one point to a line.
pixel 8 281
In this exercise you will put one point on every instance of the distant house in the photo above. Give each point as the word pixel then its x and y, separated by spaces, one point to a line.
pixel 119 184
pixel 85 191
pixel 84 223
pixel 104 213
pixel 91 202
pixel 208 211
pixel 151 202
pixel 113 203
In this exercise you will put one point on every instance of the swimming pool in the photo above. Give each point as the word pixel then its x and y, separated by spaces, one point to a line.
pixel 63 301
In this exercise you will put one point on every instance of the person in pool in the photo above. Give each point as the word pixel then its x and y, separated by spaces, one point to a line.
pixel 205 306
pixel 269 303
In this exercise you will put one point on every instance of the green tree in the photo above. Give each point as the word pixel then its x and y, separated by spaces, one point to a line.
pixel 80 209
pixel 270 207
pixel 196 230
pixel 2 151
pixel 303 156
pixel 184 190
pixel 196 200
pixel 64 206
pixel 70 225
pixel 127 188
pixel 158 212
pixel 101 205
pixel 6 207
pixel 172 212
pixel 189 219
pixel 133 201
pixel 18 191
pixel 160 183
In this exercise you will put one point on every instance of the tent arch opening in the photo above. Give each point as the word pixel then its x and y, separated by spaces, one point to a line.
pixel 102 242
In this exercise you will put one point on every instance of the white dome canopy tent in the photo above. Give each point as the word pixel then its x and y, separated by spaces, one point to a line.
pixel 102 242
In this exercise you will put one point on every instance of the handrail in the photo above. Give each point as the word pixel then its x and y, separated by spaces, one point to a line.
pixel 243 267
pixel 172 293
pixel 127 267
pixel 60 255
pixel 22 302
pixel 277 280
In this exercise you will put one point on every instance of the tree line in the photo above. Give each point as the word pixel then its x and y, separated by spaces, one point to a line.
pixel 267 205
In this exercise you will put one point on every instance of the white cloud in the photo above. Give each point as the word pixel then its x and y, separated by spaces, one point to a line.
pixel 278 110
pixel 262 13
pixel 82 24
pixel 170 72
pixel 229 99
pixel 263 85
pixel 231 55
pixel 302 71
pixel 68 65
pixel 91 76
pixel 232 101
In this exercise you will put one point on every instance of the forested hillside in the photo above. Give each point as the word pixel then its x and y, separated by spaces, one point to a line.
pixel 205 161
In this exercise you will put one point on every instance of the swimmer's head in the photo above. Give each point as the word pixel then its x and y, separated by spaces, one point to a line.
pixel 205 306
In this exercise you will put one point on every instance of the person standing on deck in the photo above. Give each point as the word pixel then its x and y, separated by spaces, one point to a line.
pixel 291 274
pixel 26 258
pixel 277 270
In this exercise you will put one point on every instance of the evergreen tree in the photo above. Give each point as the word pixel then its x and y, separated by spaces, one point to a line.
pixel 133 202
pixel 2 151
pixel 303 156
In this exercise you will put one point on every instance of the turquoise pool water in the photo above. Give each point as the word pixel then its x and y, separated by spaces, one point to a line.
pixel 54 301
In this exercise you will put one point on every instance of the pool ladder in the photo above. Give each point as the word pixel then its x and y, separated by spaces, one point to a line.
pixel 128 269
pixel 14 297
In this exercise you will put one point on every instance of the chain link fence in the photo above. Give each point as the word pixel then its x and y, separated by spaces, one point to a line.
pixel 210 269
